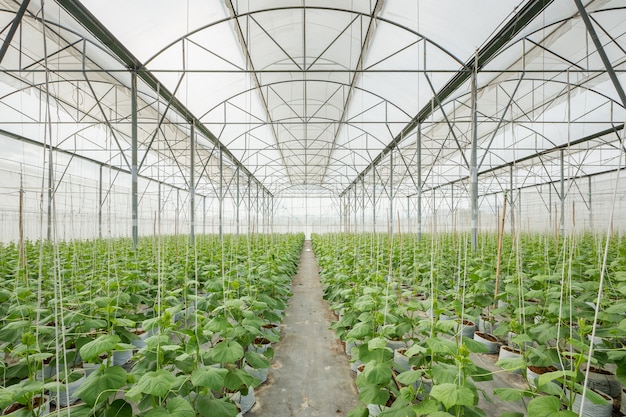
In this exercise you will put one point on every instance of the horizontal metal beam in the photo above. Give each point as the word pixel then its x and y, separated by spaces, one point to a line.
pixel 523 17
pixel 96 28
pixel 529 157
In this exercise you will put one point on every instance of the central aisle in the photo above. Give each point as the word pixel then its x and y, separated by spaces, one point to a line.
pixel 310 374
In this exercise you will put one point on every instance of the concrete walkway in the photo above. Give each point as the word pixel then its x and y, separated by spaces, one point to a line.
pixel 310 373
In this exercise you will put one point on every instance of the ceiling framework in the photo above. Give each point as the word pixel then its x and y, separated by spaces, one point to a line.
pixel 295 96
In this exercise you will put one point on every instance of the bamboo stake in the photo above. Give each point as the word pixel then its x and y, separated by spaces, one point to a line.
pixel 499 261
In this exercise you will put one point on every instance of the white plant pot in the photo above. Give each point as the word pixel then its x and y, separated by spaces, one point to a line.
pixel 261 373
pixel 122 357
pixel 604 382
pixel 244 402
pixel 396 344
pixel 532 376
pixel 492 347
pixel 623 404
pixel 466 328
pixel 67 390
pixel 354 365
pixel 401 361
pixel 590 409
pixel 509 353
pixel 375 409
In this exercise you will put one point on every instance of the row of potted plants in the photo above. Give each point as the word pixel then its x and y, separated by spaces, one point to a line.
pixel 166 329
pixel 425 302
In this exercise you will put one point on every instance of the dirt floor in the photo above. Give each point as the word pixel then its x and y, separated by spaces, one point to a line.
pixel 310 374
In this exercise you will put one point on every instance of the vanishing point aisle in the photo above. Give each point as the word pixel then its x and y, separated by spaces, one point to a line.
pixel 310 374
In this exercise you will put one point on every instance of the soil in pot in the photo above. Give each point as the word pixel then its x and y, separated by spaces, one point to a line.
pixel 533 372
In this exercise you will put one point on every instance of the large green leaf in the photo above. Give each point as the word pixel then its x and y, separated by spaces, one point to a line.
pixel 119 408
pixel 226 351
pixel 209 407
pixel 256 360
pixel 236 379
pixel 409 377
pixel 544 406
pixel 102 384
pixel 359 412
pixel 371 394
pixel 102 344
pixel 176 407
pixel 404 411
pixel 156 383
pixel 451 394
pixel 511 394
pixel 377 373
pixel 208 376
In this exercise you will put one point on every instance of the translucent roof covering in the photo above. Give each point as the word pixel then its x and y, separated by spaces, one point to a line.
pixel 295 95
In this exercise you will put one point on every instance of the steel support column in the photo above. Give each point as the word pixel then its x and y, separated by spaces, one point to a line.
pixel 374 201
pixel 474 158
pixel 100 202
pixel 192 185
pixel 562 195
pixel 419 183
pixel 238 201
pixel 204 215
pixel 590 206
pixel 363 203
pixel 221 198
pixel 133 169
pixel 249 204
pixel 391 193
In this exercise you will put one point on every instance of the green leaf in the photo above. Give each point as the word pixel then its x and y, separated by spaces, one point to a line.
pixel 360 330
pixel 551 376
pixel 208 376
pixel 427 407
pixel 179 407
pixel 544 406
pixel 512 364
pixel 404 411
pixel 451 394
pixel 359 412
pixel 371 394
pixel 257 360
pixel 158 412
pixel 377 343
pixel 209 407
pixel 102 344
pixel 226 351
pixel 102 384
pixel 510 394
pixel 511 414
pixel 236 379
pixel 157 383
pixel 414 350
pixel 474 346
pixel 442 346
pixel 119 408
pixel 377 373
pixel 409 377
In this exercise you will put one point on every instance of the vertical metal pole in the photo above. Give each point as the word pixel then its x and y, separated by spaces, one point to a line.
pixel 408 214
pixel 374 201
pixel 221 198
pixel 590 206
pixel 192 185
pixel 237 205
pixel 258 229
pixel 249 204
pixel 356 207
pixel 550 206
pixel 562 220
pixel 134 200
pixel 159 208
pixel 391 194
pixel 363 203
pixel 473 160
pixel 204 215
pixel 419 183
pixel 340 214
pixel 511 200
pixel 177 220
pixel 50 190
pixel 100 204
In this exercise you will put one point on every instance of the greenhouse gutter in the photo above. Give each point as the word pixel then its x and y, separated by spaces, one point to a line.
pixel 527 13
pixel 96 28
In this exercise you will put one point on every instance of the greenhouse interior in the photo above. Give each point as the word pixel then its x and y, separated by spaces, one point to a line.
pixel 392 208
